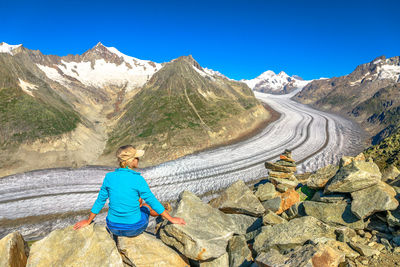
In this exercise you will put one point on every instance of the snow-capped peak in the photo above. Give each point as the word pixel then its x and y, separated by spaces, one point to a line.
pixel 102 69
pixel 268 81
pixel 6 48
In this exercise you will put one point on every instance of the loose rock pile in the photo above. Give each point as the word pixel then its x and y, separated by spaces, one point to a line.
pixel 341 215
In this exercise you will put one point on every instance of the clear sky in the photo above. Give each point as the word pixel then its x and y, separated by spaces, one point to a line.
pixel 241 39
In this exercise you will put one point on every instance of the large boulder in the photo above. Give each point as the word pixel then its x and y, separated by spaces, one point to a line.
pixel 319 196
pixel 13 250
pixel 333 214
pixel 307 256
pixel 88 246
pixel 292 234
pixel 390 173
pixel 379 197
pixel 146 250
pixel 238 198
pixel 239 252
pixel 265 191
pixel 206 233
pixel 319 179
pixel 222 261
pixel 354 176
pixel 246 223
pixel 270 218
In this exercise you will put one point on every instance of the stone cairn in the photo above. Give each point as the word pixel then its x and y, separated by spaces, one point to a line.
pixel 345 215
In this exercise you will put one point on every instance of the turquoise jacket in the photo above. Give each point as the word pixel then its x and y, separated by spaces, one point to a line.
pixel 123 187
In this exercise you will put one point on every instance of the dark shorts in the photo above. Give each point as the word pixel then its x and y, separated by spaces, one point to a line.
pixel 131 229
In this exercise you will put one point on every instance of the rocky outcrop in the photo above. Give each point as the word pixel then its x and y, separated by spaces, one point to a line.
pixel 239 253
pixel 90 246
pixel 354 176
pixel 146 250
pixel 238 198
pixel 309 255
pixel 292 234
pixel 333 214
pixel 359 228
pixel 383 197
pixel 319 179
pixel 13 250
pixel 206 233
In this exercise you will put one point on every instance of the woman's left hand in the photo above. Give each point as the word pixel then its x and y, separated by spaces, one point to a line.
pixel 81 224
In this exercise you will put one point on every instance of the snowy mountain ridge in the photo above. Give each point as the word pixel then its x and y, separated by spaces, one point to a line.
pixel 281 83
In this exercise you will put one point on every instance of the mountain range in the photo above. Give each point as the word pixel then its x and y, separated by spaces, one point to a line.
pixel 269 82
pixel 370 95
pixel 77 109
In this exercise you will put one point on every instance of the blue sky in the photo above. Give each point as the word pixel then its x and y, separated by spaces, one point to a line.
pixel 241 39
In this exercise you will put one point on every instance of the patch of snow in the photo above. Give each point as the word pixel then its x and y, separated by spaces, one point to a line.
pixel 391 72
pixel 27 87
pixel 105 73
pixel 377 61
pixel 6 48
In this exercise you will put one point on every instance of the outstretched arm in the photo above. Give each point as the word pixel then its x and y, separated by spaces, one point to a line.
pixel 97 206
pixel 84 223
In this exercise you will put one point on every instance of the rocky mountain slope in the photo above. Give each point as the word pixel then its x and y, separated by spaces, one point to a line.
pixel 185 108
pixel 59 111
pixel 269 82
pixel 369 95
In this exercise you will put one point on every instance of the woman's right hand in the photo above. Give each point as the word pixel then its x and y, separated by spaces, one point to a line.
pixel 177 220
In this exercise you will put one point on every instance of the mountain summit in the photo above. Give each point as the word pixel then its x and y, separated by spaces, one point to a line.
pixel 269 82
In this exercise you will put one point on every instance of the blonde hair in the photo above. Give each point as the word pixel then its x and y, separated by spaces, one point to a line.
pixel 125 155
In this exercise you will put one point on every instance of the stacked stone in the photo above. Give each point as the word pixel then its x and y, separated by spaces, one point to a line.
pixel 281 173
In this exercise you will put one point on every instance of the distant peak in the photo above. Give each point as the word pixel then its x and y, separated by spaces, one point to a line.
pixel 7 48
pixel 99 44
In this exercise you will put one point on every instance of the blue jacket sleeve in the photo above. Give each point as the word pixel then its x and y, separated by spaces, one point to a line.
pixel 149 197
pixel 101 198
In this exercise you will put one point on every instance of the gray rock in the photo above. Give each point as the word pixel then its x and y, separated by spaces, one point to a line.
pixel 305 256
pixel 291 234
pixel 319 179
pixel 13 250
pixel 239 252
pixel 238 198
pixel 222 261
pixel 270 218
pixel 354 176
pixel 344 234
pixel 246 223
pixel 206 233
pixel 296 210
pixel 393 218
pixel 333 214
pixel 88 246
pixel 272 204
pixel 364 250
pixel 382 196
pixel 251 235
pixel 265 191
pixel 285 182
pixel 390 173
pixel 319 196
pixel 146 250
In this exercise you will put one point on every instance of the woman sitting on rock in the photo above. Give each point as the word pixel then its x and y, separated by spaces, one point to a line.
pixel 127 215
